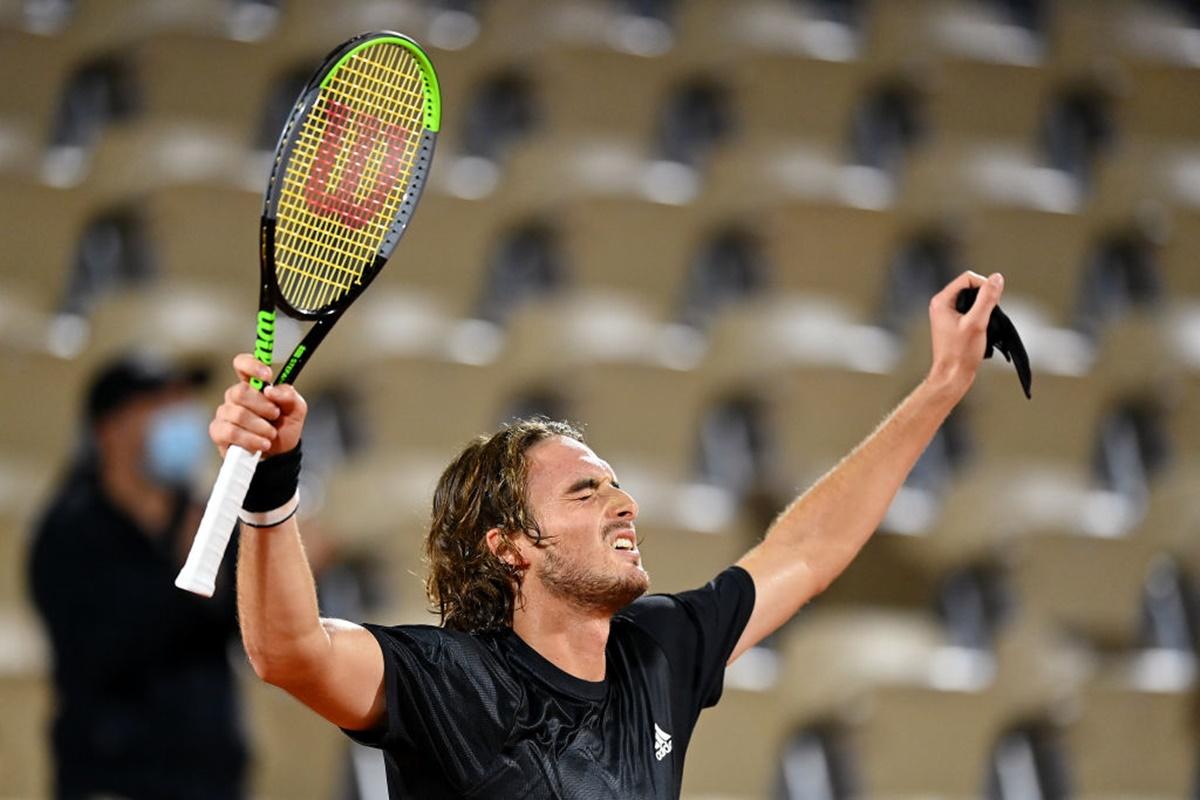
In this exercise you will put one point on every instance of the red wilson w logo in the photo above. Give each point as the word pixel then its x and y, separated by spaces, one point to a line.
pixel 354 208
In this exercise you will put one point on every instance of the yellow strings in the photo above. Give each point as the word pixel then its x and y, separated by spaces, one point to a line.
pixel 318 256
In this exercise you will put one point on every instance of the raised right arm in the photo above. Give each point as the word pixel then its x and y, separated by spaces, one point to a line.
pixel 332 666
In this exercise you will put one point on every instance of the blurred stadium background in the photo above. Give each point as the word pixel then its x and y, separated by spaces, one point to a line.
pixel 708 230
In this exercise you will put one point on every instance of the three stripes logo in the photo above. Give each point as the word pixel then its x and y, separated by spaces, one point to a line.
pixel 662 743
pixel 354 208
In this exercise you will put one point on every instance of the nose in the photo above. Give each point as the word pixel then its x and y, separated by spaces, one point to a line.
pixel 623 505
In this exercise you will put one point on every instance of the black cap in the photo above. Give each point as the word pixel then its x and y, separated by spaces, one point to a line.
pixel 132 376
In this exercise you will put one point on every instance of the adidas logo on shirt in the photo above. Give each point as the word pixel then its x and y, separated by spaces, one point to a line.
pixel 662 743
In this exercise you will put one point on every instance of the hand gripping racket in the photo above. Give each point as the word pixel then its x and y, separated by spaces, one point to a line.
pixel 349 169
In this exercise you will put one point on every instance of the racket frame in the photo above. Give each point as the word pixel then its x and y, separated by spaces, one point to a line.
pixel 271 297
pixel 220 516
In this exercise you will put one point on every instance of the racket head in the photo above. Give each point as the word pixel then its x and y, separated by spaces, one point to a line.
pixel 349 168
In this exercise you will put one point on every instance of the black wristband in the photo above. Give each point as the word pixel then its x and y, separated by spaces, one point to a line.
pixel 275 482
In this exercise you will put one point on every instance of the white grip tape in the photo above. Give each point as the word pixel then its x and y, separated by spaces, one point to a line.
pixel 199 573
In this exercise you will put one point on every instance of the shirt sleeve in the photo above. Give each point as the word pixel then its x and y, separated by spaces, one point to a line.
pixel 698 629
pixel 448 701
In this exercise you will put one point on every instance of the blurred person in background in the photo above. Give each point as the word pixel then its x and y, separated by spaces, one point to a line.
pixel 146 705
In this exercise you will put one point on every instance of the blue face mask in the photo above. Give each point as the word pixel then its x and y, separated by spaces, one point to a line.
pixel 176 444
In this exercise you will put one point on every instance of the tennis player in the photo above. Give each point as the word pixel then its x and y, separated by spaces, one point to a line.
pixel 551 675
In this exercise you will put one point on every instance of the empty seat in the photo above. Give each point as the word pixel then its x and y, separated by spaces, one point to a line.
pixel 194 319
pixel 281 727
pixel 42 406
pixel 1040 254
pixel 678 559
pixel 822 413
pixel 27 482
pixel 449 244
pixel 643 414
pixel 12 556
pixel 602 93
pixel 1153 105
pixel 985 100
pixel 1127 743
pixel 206 235
pixel 1179 253
pixel 1056 578
pixel 621 244
pixel 1059 426
pixel 43 237
pixel 204 81
pixel 834 250
pixel 736 747
pixel 428 406
pixel 24 760
pixel 782 96
pixel 46 64
pixel 308 29
pixel 558 330
pixel 918 740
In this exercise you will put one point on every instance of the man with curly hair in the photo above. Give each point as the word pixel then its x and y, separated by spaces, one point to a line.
pixel 552 676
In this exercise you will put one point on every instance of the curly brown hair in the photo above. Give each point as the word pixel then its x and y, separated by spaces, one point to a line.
pixel 469 586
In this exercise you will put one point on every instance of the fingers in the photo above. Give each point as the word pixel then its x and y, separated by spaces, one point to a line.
pixel 247 420
pixel 225 433
pixel 989 296
pixel 241 395
pixel 286 399
pixel 247 366
pixel 946 297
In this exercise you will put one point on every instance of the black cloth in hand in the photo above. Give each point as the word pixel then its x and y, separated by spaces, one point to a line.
pixel 1001 335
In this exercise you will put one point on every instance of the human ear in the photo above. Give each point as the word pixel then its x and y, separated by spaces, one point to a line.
pixel 504 549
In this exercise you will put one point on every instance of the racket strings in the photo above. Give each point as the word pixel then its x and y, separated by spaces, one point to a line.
pixel 347 175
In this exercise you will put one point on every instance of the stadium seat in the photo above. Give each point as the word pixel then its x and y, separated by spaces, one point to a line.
pixel 229 92
pixel 1041 254
pixel 183 317
pixel 986 101
pixel 786 96
pixel 35 99
pixel 47 428
pixel 279 728
pixel 833 250
pixel 24 765
pixel 816 433
pixel 43 238
pixel 1179 254
pixel 1128 743
pixel 922 740
pixel 428 406
pixel 1058 427
pixel 447 248
pixel 1055 576
pixel 625 245
pixel 602 92
pixel 1151 105
pixel 678 559
pixel 206 235
pixel 735 749
pixel 635 412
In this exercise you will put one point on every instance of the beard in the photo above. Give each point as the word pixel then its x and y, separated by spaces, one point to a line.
pixel 589 587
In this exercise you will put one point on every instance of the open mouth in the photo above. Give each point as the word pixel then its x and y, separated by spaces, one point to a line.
pixel 625 540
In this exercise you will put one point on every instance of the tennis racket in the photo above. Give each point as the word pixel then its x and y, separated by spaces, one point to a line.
pixel 349 169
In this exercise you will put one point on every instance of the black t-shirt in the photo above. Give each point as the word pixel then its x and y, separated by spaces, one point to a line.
pixel 486 716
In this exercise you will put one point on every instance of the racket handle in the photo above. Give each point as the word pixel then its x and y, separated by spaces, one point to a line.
pixel 199 573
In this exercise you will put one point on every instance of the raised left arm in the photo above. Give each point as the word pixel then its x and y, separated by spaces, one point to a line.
pixel 819 533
